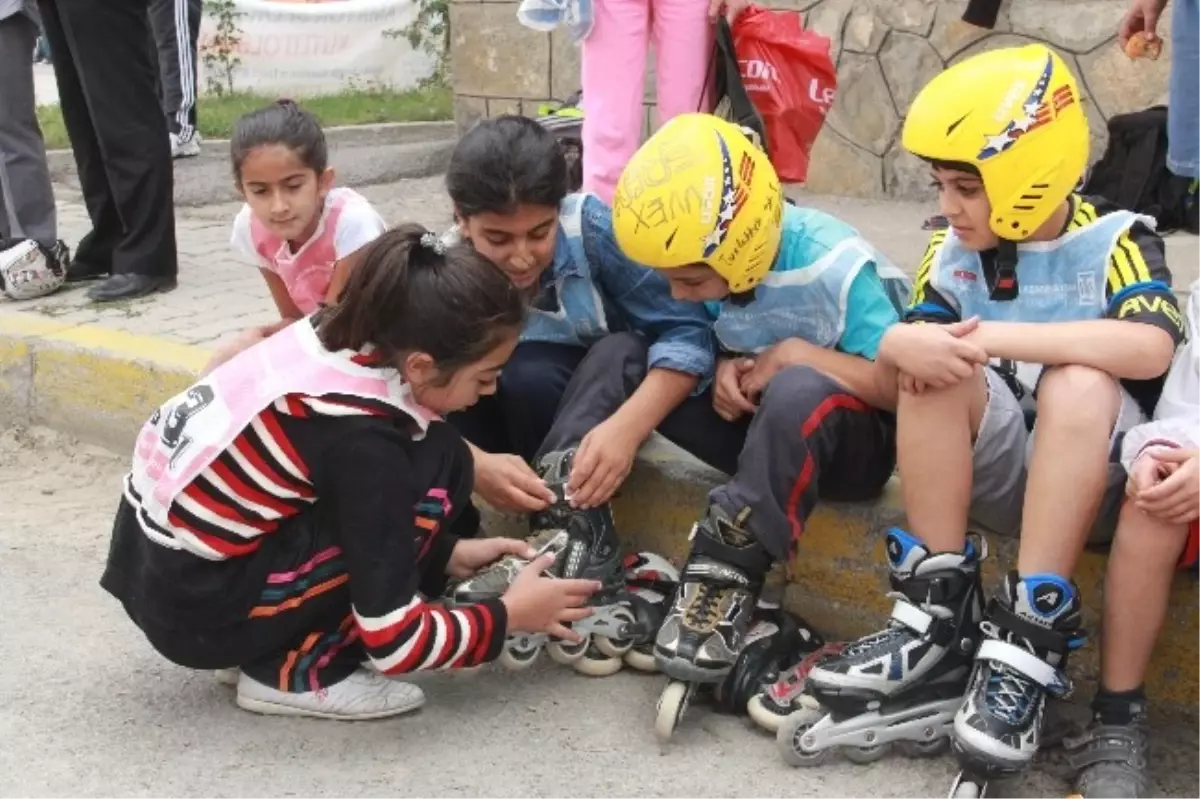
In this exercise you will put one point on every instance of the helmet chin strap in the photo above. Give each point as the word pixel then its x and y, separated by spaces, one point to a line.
pixel 1003 284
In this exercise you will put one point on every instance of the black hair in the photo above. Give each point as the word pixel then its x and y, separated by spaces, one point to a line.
pixel 956 166
pixel 408 295
pixel 282 122
pixel 503 163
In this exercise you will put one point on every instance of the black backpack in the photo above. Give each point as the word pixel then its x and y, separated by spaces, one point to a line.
pixel 1133 172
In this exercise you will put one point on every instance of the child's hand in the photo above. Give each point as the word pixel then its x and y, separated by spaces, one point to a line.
pixel 472 554
pixel 728 399
pixel 1176 498
pixel 538 604
pixel 508 483
pixel 602 462
pixel 935 356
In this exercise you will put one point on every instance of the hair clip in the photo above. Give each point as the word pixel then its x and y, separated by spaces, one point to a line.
pixel 433 242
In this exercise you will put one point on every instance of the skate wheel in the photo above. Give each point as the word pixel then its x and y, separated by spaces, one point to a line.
pixel 965 787
pixel 567 653
pixel 613 647
pixel 672 704
pixel 595 663
pixel 789 740
pixel 865 755
pixel 762 716
pixel 641 661
pixel 934 748
pixel 518 659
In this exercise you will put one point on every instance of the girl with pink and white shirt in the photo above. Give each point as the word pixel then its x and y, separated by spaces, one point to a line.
pixel 296 226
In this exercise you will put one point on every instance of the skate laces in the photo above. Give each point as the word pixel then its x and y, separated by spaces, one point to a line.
pixel 1011 694
pixel 703 612
pixel 896 629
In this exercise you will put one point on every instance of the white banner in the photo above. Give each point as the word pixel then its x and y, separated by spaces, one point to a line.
pixel 308 47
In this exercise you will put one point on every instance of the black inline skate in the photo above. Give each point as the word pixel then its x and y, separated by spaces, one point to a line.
pixel 1027 633
pixel 585 546
pixel 776 639
pixel 705 631
pixel 904 683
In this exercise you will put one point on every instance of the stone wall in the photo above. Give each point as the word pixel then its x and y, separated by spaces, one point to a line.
pixel 885 51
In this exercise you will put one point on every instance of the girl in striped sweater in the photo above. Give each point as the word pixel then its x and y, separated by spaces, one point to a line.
pixel 291 514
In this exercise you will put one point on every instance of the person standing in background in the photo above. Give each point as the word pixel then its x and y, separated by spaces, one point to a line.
pixel 23 168
pixel 115 122
pixel 176 26
pixel 614 75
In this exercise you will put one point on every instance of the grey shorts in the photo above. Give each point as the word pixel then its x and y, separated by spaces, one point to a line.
pixel 1002 449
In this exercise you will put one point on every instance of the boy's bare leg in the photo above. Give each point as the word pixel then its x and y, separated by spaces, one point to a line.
pixel 934 435
pixel 1068 470
pixel 1136 589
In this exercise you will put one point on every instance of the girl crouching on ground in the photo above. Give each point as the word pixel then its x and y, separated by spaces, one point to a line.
pixel 290 513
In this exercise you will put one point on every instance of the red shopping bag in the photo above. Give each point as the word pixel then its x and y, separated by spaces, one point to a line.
pixel 791 80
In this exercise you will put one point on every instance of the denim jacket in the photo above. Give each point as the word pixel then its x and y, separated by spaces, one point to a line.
pixel 591 289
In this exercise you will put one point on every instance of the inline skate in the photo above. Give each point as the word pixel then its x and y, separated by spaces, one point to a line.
pixel 904 683
pixel 585 546
pixel 776 638
pixel 706 628
pixel 1026 635
pixel 778 700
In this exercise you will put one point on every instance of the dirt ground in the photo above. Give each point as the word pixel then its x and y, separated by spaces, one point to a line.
pixel 90 709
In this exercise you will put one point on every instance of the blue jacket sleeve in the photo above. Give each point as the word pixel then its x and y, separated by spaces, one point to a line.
pixel 680 333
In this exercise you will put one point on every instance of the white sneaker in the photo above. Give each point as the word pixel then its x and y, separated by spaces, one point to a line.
pixel 181 148
pixel 362 695
pixel 228 676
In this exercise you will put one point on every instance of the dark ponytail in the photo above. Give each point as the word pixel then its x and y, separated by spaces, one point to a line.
pixel 409 295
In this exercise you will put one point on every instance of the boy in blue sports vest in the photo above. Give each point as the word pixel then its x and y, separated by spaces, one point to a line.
pixel 1077 295
pixel 799 303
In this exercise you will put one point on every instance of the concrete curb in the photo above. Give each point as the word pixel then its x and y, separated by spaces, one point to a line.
pixel 100 385
pixel 363 155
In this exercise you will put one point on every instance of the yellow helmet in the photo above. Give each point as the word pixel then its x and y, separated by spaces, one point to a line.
pixel 1016 115
pixel 699 192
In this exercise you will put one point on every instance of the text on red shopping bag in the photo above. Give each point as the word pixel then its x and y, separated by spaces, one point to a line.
pixel 790 78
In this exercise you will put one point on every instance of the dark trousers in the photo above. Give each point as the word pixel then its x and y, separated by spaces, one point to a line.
pixel 809 440
pixel 291 625
pixel 110 105
pixel 176 27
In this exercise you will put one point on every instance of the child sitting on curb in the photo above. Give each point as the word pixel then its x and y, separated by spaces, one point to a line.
pixel 1156 534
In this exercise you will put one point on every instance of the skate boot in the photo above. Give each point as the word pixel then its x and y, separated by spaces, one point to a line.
pixel 1110 756
pixel 651 580
pixel 585 546
pixel 1027 633
pixel 775 640
pixel 706 628
pixel 786 695
pixel 904 683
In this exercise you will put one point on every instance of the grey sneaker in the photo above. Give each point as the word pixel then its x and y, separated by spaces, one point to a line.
pixel 1109 759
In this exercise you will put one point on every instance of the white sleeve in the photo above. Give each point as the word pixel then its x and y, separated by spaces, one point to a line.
pixel 358 225
pixel 240 239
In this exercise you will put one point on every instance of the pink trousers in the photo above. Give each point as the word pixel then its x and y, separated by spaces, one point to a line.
pixel 614 67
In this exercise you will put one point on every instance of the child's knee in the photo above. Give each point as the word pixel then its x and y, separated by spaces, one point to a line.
pixel 796 391
pixel 1146 538
pixel 1078 396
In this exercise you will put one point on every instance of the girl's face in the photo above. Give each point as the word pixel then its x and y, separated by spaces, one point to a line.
pixel 283 193
pixel 696 283
pixel 521 244
pixel 965 204
pixel 465 385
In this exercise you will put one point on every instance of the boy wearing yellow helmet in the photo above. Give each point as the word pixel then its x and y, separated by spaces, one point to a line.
pixel 1078 293
pixel 799 302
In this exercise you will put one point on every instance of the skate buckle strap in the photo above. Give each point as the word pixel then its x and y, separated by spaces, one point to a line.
pixel 1057 641
pixel 938 589
pixel 912 617
pixel 1027 663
